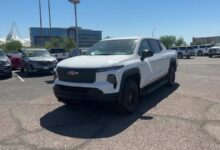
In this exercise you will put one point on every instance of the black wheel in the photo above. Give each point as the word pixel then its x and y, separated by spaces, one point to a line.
pixel 180 55
pixel 22 70
pixel 188 57
pixel 27 70
pixel 210 56
pixel 200 53
pixel 171 76
pixel 65 101
pixel 9 75
pixel 129 97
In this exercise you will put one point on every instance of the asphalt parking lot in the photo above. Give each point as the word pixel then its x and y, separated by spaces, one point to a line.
pixel 184 117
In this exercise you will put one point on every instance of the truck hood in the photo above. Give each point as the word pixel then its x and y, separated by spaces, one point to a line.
pixel 215 47
pixel 93 61
pixel 42 58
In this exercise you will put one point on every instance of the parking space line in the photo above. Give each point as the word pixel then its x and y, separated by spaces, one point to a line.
pixel 19 77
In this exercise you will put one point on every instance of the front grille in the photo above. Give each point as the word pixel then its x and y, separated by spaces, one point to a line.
pixel 77 75
pixel 74 90
pixel 44 63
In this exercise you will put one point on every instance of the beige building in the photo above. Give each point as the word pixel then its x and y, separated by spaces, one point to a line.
pixel 205 40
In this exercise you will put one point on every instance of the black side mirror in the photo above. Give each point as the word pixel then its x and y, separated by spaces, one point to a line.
pixel 145 54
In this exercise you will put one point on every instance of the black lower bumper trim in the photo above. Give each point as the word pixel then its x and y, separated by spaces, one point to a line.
pixel 82 94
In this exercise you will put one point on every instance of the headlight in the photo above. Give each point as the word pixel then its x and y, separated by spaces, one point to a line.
pixel 7 63
pixel 110 68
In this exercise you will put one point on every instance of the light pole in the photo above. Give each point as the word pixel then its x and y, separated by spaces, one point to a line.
pixel 154 29
pixel 75 2
pixel 41 31
pixel 49 17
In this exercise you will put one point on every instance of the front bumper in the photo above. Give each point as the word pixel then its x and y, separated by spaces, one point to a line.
pixel 4 70
pixel 41 69
pixel 82 94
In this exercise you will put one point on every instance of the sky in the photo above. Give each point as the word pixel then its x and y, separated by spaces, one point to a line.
pixel 117 18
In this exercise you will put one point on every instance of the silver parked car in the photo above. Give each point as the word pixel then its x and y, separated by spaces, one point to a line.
pixel 37 60
pixel 5 65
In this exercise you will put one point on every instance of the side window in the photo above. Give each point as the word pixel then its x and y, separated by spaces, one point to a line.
pixel 143 46
pixel 154 46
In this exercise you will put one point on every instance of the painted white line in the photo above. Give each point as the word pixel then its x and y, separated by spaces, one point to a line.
pixel 20 78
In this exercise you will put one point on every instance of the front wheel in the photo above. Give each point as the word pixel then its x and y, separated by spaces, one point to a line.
pixel 9 75
pixel 210 56
pixel 129 97
pixel 171 76
pixel 188 57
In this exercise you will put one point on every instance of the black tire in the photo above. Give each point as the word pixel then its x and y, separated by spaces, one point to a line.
pixel 171 76
pixel 129 97
pixel 200 53
pixel 9 75
pixel 65 101
pixel 210 56
pixel 180 55
pixel 188 57
pixel 22 70
pixel 27 71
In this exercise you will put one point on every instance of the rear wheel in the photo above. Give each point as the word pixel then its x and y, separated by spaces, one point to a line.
pixel 9 75
pixel 129 97
pixel 180 55
pixel 200 53
pixel 188 57
pixel 171 76
pixel 65 101
pixel 210 56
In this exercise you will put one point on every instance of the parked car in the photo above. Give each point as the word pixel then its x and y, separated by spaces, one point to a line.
pixel 116 70
pixel 215 50
pixel 37 60
pixel 202 50
pixel 183 52
pixel 5 65
pixel 75 52
pixel 16 59
pixel 60 54
pixel 191 50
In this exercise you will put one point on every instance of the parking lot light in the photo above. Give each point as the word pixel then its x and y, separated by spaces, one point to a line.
pixel 75 2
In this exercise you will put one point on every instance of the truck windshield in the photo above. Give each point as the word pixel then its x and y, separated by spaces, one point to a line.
pixel 113 47
pixel 37 53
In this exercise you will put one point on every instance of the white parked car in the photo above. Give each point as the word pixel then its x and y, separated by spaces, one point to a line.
pixel 215 50
pixel 60 54
pixel 202 50
pixel 183 52
pixel 118 70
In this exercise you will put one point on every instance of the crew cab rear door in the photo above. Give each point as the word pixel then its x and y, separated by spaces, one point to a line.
pixel 160 60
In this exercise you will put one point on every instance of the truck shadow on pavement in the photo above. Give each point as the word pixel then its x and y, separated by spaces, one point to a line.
pixel 94 121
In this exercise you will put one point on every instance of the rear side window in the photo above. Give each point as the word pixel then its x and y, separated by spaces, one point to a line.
pixel 154 46
pixel 202 46
pixel 182 48
pixel 144 45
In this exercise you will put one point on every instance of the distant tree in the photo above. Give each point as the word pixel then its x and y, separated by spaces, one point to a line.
pixel 64 43
pixel 180 42
pixel 12 46
pixel 168 40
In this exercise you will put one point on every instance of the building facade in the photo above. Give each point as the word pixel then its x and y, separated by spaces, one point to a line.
pixel 86 37
pixel 205 40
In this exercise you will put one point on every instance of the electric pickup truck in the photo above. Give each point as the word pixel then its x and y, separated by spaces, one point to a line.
pixel 117 69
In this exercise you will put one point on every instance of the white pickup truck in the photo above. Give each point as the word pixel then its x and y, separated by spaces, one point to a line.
pixel 119 70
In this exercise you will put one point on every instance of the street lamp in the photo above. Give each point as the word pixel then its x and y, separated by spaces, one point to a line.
pixel 49 12
pixel 41 30
pixel 75 2
pixel 154 29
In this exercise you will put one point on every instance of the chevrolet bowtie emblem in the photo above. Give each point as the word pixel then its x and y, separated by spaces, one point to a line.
pixel 73 73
